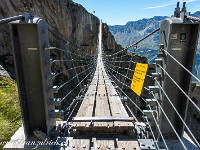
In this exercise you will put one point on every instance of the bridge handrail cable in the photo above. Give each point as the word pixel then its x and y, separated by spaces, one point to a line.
pixel 178 113
pixel 179 138
pixel 181 65
pixel 180 88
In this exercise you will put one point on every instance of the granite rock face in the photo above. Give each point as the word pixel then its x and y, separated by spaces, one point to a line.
pixel 71 27
pixel 70 24
pixel 193 115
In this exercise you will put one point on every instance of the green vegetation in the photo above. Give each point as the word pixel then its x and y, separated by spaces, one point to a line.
pixel 10 114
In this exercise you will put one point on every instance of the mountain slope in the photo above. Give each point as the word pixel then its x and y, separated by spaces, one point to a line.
pixel 133 31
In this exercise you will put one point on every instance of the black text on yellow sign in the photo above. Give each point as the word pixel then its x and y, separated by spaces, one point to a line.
pixel 138 78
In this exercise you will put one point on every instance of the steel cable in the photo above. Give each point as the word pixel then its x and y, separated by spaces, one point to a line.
pixel 158 127
pixel 72 78
pixel 135 43
pixel 182 66
pixel 169 122
pixel 14 18
pixel 154 135
pixel 75 87
pixel 70 69
pixel 178 114
pixel 180 88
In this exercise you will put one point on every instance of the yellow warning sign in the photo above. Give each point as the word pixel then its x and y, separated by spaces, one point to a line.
pixel 138 78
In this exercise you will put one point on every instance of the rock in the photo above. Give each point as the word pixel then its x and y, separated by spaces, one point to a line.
pixel 3 72
pixel 71 27
pixel 193 115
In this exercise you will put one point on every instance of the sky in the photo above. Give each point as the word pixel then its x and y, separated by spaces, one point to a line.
pixel 119 12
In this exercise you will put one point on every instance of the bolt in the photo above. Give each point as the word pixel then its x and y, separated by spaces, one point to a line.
pixel 98 146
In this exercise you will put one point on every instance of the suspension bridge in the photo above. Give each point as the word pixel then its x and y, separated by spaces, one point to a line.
pixel 104 91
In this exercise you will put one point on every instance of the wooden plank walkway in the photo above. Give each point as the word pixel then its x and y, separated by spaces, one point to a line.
pixel 70 143
pixel 102 100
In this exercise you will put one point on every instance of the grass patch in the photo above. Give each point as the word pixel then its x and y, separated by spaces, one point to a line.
pixel 10 112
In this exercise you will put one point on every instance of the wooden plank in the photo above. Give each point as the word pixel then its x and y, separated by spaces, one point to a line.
pixel 102 107
pixel 112 118
pixel 102 102
pixel 111 91
pixel 118 110
pixel 128 145
pixel 91 91
pixel 104 145
pixel 86 108
pixel 79 144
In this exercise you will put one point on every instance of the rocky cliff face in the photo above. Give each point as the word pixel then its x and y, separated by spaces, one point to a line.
pixel 71 28
pixel 69 23
pixel 135 30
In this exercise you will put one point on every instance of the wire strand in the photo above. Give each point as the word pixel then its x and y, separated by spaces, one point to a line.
pixel 72 78
pixel 70 69
pixel 158 128
pixel 169 122
pixel 153 134
pixel 67 51
pixel 182 65
pixel 74 88
pixel 180 88
pixel 178 114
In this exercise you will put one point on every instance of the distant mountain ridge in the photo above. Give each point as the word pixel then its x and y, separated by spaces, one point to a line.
pixel 133 31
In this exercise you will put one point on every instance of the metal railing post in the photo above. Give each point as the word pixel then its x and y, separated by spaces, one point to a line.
pixel 32 66
pixel 178 37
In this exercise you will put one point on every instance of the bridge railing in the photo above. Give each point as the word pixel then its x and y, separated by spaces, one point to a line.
pixel 47 76
pixel 40 79
pixel 168 99
pixel 75 72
